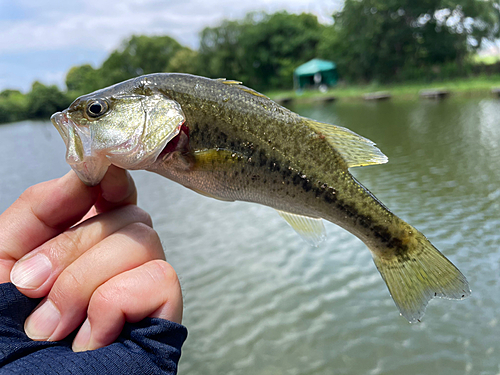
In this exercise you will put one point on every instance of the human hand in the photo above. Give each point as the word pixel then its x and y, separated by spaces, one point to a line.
pixel 107 269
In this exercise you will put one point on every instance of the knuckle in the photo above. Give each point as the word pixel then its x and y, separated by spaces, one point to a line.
pixel 162 272
pixel 139 214
pixel 68 287
pixel 66 244
pixel 145 235
pixel 103 295
pixel 109 295
pixel 29 193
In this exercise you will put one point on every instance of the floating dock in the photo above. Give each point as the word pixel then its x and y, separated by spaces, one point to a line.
pixel 283 100
pixel 434 94
pixel 326 99
pixel 379 95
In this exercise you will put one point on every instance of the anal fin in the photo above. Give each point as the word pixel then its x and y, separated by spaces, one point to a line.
pixel 311 229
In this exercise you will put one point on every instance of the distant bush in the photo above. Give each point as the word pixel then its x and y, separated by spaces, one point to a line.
pixel 13 106
pixel 43 101
pixel 83 79
pixel 442 72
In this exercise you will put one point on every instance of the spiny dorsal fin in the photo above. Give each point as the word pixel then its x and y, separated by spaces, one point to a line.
pixel 238 85
pixel 252 91
pixel 228 81
pixel 355 149
pixel 311 229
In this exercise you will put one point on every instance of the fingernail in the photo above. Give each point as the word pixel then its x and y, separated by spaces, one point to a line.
pixel 32 272
pixel 82 339
pixel 42 323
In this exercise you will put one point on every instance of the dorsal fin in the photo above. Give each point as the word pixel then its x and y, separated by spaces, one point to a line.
pixel 252 91
pixel 354 149
pixel 311 229
pixel 228 81
pixel 238 85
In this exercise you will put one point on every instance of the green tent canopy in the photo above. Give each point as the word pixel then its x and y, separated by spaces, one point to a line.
pixel 314 73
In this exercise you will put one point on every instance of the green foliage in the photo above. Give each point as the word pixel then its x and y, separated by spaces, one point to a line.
pixel 83 79
pixel 185 60
pixel 380 39
pixel 141 54
pixel 13 106
pixel 43 101
pixel 262 50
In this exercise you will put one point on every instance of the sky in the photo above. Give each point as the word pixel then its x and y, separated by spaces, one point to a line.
pixel 42 39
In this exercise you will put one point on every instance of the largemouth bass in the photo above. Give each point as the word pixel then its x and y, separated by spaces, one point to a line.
pixel 227 141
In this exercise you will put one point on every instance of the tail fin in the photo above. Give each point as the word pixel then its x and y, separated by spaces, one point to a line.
pixel 421 274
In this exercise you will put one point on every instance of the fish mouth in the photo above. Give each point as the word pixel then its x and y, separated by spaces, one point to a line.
pixel 89 166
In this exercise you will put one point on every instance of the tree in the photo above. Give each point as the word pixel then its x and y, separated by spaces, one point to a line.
pixel 379 39
pixel 220 52
pixel 262 50
pixel 185 60
pixel 13 105
pixel 43 100
pixel 83 79
pixel 141 54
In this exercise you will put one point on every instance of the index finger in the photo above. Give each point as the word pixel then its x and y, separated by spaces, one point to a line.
pixel 117 189
pixel 40 213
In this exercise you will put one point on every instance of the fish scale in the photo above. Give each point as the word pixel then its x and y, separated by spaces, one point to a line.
pixel 226 141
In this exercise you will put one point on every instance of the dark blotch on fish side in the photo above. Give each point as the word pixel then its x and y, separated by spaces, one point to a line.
pixel 306 185
pixel 297 179
pixel 222 138
pixel 287 172
pixel 274 166
pixel 381 233
pixel 262 159
pixel 364 221
pixel 330 195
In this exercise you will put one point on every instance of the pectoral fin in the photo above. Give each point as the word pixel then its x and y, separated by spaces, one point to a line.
pixel 214 159
pixel 311 229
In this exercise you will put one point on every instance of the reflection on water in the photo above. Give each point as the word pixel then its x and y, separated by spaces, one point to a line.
pixel 258 300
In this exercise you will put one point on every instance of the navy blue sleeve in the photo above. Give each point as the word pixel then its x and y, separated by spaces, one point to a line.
pixel 152 346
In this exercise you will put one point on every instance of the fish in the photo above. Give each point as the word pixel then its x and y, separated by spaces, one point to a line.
pixel 227 141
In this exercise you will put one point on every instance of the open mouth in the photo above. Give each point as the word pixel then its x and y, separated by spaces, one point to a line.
pixel 88 166
pixel 135 144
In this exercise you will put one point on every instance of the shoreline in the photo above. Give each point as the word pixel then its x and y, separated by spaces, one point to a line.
pixel 464 87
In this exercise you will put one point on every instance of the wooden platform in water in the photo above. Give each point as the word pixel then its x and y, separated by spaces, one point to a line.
pixel 379 95
pixel 283 100
pixel 326 99
pixel 434 94
pixel 496 91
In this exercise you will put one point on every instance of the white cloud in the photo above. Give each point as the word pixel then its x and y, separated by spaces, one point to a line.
pixel 64 33
pixel 102 24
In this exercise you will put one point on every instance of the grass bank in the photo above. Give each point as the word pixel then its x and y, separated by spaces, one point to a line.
pixel 476 86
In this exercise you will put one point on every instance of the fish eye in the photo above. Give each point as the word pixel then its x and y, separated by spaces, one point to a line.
pixel 96 108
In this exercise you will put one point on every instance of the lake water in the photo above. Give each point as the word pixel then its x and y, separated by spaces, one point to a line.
pixel 259 300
